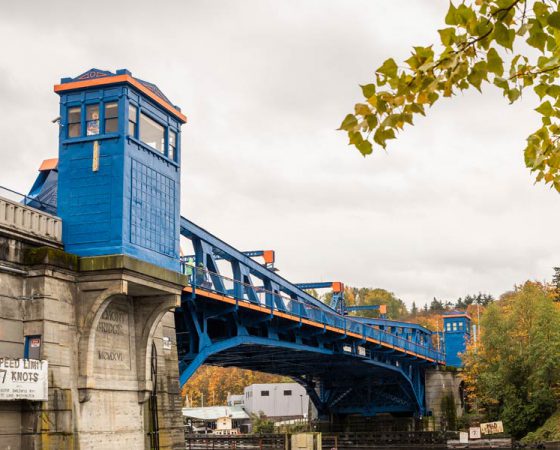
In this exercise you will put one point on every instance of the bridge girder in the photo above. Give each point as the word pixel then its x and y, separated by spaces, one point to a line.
pixel 331 361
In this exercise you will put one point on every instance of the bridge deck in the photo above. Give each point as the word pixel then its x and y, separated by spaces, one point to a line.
pixel 308 315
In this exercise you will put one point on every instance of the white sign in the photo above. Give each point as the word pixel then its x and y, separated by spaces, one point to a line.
pixel 474 433
pixel 463 437
pixel 492 427
pixel 166 343
pixel 24 379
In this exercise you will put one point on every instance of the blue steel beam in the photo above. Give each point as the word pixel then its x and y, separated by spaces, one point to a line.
pixel 268 256
pixel 274 346
pixel 319 285
pixel 229 253
pixel 300 359
pixel 392 323
pixel 337 301
pixel 363 308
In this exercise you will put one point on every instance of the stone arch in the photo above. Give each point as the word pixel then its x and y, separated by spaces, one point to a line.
pixel 96 304
pixel 148 312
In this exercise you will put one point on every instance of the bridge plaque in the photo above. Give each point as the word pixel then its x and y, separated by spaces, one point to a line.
pixel 112 337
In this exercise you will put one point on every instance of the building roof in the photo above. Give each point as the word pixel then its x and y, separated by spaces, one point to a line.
pixel 455 313
pixel 49 164
pixel 216 412
pixel 272 385
pixel 95 77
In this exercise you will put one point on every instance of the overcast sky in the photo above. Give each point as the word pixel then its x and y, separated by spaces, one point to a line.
pixel 450 209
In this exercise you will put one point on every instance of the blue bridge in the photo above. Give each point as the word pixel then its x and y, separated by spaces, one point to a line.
pixel 116 186
pixel 258 320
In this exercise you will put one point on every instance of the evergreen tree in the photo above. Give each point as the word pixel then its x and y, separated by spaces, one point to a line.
pixel 436 306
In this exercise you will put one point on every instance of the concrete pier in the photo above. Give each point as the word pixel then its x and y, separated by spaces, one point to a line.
pixel 105 327
pixel 441 384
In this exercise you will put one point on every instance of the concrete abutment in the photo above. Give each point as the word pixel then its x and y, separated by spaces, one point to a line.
pixel 98 319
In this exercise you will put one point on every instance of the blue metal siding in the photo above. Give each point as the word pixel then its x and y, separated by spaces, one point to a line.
pixel 153 217
pixel 88 200
pixel 130 205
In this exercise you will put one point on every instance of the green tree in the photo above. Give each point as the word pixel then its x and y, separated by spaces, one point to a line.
pixel 449 412
pixel 514 372
pixel 261 424
pixel 477 47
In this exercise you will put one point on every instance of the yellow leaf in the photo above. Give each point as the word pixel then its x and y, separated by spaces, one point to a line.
pixel 422 98
pixel 398 100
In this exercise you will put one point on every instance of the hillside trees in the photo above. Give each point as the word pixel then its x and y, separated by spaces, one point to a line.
pixel 213 384
pixel 479 46
pixel 396 308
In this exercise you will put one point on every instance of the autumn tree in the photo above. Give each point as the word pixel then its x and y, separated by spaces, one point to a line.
pixel 514 372
pixel 478 46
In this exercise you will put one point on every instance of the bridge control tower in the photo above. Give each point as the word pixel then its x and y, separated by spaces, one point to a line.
pixel 119 168
pixel 456 335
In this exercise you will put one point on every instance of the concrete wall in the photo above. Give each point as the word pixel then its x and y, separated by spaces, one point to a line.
pixel 97 320
pixel 439 384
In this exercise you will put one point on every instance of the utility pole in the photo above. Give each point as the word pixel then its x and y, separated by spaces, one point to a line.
pixel 477 322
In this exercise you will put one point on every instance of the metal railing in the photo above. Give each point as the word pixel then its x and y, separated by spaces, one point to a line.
pixel 18 197
pixel 201 278
pixel 23 217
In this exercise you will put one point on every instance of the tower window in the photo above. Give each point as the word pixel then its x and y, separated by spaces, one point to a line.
pixel 287 393
pixel 454 326
pixel 151 133
pixel 264 393
pixel 172 145
pixel 111 117
pixel 92 119
pixel 132 120
pixel 74 122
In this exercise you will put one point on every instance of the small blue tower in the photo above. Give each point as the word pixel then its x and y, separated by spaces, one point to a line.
pixel 456 335
pixel 119 168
